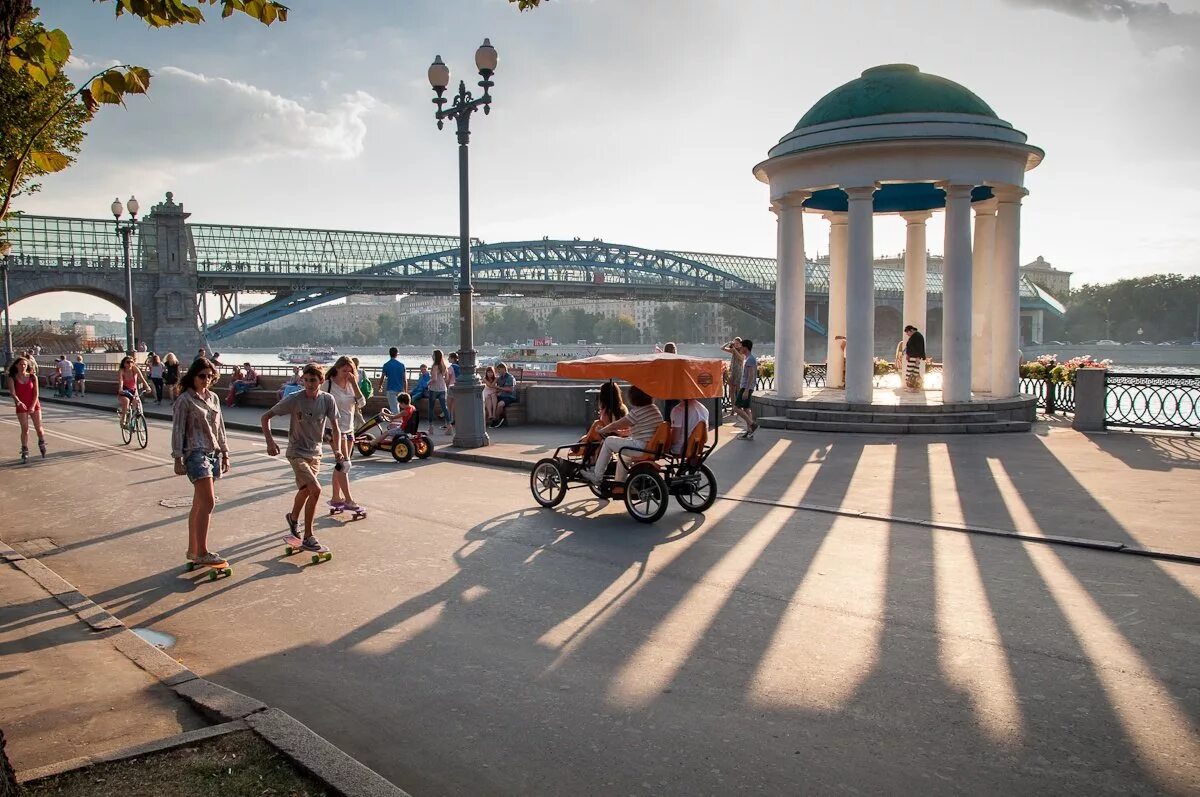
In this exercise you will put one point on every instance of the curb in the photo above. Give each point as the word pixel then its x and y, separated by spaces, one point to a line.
pixel 232 710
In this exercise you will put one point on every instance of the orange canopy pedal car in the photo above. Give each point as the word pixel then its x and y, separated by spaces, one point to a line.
pixel 655 473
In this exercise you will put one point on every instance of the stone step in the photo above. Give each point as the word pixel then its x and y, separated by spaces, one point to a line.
pixel 979 427
pixel 837 416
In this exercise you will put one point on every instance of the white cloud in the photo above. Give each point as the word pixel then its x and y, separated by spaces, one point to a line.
pixel 201 120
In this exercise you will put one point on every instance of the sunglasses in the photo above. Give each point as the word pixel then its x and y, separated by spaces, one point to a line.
pixel 209 376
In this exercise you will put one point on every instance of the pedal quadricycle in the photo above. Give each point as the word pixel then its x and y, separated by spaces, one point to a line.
pixel 657 469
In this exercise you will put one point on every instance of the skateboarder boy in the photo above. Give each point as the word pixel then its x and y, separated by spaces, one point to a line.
pixel 308 410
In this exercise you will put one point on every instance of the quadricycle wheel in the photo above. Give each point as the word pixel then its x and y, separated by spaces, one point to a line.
pixel 645 493
pixel 547 483
pixel 700 494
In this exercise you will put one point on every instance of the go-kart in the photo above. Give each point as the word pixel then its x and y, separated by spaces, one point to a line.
pixel 402 443
pixel 654 473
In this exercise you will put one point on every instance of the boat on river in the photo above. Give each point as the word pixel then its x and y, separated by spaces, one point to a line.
pixel 302 355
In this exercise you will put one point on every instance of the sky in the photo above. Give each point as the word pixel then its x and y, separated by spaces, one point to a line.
pixel 632 121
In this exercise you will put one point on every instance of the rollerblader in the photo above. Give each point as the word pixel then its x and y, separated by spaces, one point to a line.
pixel 23 378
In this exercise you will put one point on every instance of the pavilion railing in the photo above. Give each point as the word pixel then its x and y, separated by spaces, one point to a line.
pixel 1152 401
pixel 1052 397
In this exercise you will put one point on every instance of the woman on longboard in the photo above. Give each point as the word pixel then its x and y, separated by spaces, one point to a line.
pixel 342 383
pixel 24 386
pixel 201 453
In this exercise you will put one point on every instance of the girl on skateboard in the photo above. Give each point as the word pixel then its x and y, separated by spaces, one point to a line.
pixel 23 378
pixel 201 453
pixel 342 383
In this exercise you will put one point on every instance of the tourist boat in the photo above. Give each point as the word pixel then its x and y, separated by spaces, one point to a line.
pixel 535 358
pixel 301 355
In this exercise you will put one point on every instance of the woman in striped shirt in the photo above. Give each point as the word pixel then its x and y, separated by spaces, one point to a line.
pixel 643 419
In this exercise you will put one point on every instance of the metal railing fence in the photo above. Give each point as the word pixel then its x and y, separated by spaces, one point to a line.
pixel 1152 401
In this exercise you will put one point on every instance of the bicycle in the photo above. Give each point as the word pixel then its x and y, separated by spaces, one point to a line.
pixel 135 424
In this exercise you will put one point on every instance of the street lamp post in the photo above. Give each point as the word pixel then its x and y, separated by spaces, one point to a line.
pixel 5 248
pixel 126 229
pixel 469 428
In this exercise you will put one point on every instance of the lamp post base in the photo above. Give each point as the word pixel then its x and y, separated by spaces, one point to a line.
pixel 470 430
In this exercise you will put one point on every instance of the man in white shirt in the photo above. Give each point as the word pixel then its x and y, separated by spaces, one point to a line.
pixel 66 377
pixel 696 412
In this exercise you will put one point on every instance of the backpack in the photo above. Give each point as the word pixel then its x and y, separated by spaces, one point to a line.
pixel 364 385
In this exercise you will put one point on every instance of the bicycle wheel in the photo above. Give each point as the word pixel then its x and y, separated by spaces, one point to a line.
pixel 139 428
pixel 127 428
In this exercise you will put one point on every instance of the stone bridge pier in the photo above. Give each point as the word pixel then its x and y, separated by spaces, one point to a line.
pixel 165 286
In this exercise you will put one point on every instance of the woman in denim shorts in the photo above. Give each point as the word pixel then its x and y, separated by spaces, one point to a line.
pixel 199 447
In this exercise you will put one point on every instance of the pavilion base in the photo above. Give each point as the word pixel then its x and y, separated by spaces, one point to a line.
pixel 893 411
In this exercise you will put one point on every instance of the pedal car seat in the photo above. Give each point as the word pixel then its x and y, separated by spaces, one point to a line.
pixel 693 449
pixel 655 446
pixel 414 422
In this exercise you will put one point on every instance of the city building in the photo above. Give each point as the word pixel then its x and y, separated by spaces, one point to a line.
pixel 1056 282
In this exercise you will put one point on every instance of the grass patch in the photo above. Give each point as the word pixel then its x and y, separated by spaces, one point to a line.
pixel 234 764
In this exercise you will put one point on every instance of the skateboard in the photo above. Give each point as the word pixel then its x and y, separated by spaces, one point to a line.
pixel 356 514
pixel 215 570
pixel 294 544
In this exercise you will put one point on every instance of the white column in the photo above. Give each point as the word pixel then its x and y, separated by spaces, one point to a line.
pixel 1006 300
pixel 915 251
pixel 835 375
pixel 981 296
pixel 956 296
pixel 789 297
pixel 860 295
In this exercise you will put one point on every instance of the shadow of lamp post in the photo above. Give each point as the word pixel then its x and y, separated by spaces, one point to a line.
pixel 469 428
pixel 126 229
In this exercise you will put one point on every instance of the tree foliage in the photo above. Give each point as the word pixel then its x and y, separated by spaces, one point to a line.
pixel 25 105
pixel 1163 306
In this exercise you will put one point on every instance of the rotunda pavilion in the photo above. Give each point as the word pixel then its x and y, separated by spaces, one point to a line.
pixel 903 142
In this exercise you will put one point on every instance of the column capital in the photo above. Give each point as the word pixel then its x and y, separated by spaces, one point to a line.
pixel 836 217
pixel 916 216
pixel 985 208
pixel 860 192
pixel 794 199
pixel 955 190
pixel 1009 193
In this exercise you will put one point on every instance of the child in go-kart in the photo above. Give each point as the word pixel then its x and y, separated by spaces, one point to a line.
pixel 401 421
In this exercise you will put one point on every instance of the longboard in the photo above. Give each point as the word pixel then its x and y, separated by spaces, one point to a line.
pixel 215 570
pixel 356 514
pixel 294 544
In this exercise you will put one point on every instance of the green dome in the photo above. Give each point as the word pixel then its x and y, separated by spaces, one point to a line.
pixel 894 88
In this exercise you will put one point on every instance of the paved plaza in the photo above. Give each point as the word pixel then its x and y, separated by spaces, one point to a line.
pixel 462 641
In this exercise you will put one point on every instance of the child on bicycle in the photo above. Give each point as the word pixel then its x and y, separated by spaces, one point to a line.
pixel 129 375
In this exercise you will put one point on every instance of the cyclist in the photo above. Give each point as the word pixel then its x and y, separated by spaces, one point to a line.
pixel 128 374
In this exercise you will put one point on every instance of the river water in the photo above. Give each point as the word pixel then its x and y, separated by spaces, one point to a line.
pixel 1173 360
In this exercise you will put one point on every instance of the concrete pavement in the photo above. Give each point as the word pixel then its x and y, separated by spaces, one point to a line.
pixel 462 641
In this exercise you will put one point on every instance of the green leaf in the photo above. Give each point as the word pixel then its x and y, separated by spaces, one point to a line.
pixel 59 46
pixel 137 80
pixel 115 81
pixel 50 161
pixel 8 170
pixel 103 93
